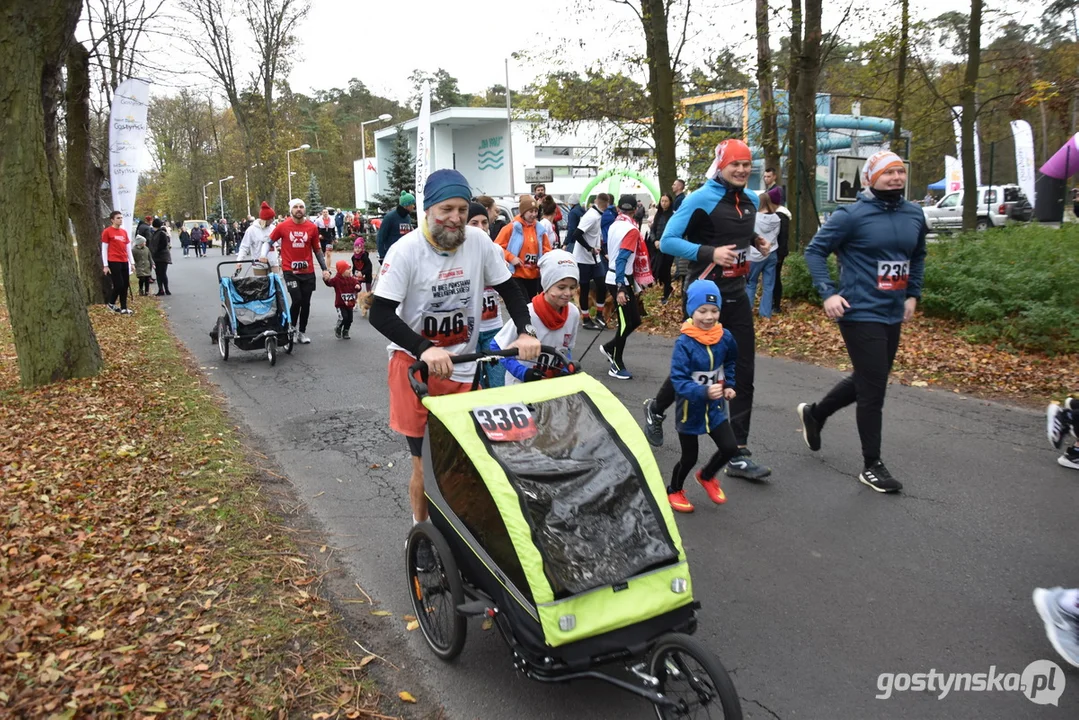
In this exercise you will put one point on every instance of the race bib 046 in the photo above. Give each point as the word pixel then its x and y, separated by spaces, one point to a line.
pixel 446 329
pixel 893 274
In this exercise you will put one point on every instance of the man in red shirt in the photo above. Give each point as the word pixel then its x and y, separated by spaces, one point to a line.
pixel 117 260
pixel 298 240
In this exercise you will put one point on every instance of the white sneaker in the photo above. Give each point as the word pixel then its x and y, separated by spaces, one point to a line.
pixel 302 339
pixel 127 312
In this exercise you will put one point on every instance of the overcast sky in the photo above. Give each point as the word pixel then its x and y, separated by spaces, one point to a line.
pixel 345 39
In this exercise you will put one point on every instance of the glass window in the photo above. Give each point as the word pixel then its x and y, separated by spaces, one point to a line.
pixel 950 201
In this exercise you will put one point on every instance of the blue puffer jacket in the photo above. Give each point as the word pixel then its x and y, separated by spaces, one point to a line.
pixel 881 251
pixel 695 366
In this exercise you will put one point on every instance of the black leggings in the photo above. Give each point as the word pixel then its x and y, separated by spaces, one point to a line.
pixel 587 276
pixel 628 317
pixel 777 291
pixel 722 436
pixel 872 347
pixel 162 278
pixel 664 263
pixel 300 286
pixel 144 284
pixel 121 282
pixel 736 315
pixel 531 287
pixel 344 316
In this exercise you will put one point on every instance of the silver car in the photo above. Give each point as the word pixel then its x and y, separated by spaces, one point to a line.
pixel 948 213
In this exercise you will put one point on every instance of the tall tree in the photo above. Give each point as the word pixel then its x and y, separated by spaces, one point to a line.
pixel 769 126
pixel 805 47
pixel 84 177
pixel 53 336
pixel 901 72
pixel 661 72
pixel 968 100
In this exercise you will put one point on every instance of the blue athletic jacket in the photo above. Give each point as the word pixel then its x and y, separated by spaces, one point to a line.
pixel 881 252
pixel 711 217
pixel 695 366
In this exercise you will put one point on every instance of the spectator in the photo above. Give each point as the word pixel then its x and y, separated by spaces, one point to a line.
pixel 161 254
pixel 762 266
pixel 661 260
pixel 782 250
pixel 773 190
pixel 494 218
pixel 396 224
pixel 679 189
pixel 573 219
pixel 339 223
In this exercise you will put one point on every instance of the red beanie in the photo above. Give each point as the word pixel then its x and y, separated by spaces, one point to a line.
pixel 266 212
pixel 343 266
pixel 727 152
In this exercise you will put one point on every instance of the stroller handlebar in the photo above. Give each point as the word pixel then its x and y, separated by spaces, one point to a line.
pixel 233 263
pixel 419 386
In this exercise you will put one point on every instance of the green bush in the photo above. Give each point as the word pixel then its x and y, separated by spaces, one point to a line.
pixel 1017 285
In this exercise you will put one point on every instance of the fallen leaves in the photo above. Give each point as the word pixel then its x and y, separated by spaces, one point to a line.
pixel 406 696
pixel 138 574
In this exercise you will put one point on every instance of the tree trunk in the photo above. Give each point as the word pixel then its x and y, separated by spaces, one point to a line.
pixel 661 89
pixel 769 129
pixel 794 195
pixel 901 75
pixel 53 336
pixel 806 59
pixel 83 177
pixel 967 98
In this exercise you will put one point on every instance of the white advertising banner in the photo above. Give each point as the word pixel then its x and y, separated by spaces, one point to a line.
pixel 953 174
pixel 1024 157
pixel 423 146
pixel 957 115
pixel 127 134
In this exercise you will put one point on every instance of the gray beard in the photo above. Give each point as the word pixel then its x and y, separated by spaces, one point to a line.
pixel 448 239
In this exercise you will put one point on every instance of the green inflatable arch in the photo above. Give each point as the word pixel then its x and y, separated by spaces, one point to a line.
pixel 616 183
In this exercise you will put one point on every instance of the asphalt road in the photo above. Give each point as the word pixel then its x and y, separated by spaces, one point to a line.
pixel 811 584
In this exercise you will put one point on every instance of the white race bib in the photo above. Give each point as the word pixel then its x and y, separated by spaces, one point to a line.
pixel 893 274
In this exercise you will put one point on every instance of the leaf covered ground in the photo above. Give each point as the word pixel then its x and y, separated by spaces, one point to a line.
pixel 932 353
pixel 141 571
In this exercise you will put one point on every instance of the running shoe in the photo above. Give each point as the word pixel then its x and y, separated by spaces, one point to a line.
pixel 715 492
pixel 1070 458
pixel 337 329
pixel 877 477
pixel 679 502
pixel 112 307
pixel 607 354
pixel 344 335
pixel 653 423
pixel 127 311
pixel 302 339
pixel 1056 424
pixel 740 466
pixel 619 373
pixel 1061 626
pixel 590 324
pixel 810 427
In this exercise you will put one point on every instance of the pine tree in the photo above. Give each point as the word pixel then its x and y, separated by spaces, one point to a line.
pixel 314 197
pixel 400 175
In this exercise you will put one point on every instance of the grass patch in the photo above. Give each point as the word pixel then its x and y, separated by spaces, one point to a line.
pixel 141 570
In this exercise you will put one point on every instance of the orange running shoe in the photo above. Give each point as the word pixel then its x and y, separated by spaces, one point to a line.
pixel 678 502
pixel 715 492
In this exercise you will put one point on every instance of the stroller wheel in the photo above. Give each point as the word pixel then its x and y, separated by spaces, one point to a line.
pixel 693 678
pixel 435 587
pixel 222 339
pixel 271 351
pixel 289 345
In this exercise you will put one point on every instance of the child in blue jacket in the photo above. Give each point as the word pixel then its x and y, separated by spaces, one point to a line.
pixel 702 372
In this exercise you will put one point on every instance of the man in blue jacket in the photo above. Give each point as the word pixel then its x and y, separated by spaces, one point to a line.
pixel 396 224
pixel 880 244
pixel 713 229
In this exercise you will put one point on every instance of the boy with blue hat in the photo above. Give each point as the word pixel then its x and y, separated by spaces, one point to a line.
pixel 702 372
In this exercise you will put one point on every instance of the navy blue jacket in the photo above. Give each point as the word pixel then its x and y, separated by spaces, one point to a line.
pixel 881 252
pixel 395 225
pixel 711 217
pixel 695 366
pixel 573 219
pixel 605 222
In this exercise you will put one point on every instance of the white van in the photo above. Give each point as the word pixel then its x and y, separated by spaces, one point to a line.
pixel 993 210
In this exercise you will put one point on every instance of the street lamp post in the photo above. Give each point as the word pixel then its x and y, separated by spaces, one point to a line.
pixel 205 214
pixel 247 187
pixel 288 163
pixel 221 194
pixel 363 150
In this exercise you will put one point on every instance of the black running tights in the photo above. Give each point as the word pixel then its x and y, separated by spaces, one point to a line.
pixel 722 436
pixel 121 282
pixel 628 317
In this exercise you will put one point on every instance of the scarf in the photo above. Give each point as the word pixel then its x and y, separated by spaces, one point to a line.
pixel 551 318
pixel 517 239
pixel 705 337
pixel 642 269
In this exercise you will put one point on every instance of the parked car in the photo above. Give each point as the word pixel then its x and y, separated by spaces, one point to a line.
pixel 994 208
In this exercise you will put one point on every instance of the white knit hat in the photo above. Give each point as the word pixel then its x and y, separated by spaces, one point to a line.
pixel 557 265
pixel 294 202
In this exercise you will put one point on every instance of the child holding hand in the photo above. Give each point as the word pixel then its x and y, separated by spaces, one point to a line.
pixel 345 286
pixel 702 371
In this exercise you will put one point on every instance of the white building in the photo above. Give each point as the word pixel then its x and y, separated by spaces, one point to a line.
pixel 474 141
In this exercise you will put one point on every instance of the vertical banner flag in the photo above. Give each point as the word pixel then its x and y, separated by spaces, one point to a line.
pixel 423 145
pixel 957 116
pixel 1024 157
pixel 127 134
pixel 953 174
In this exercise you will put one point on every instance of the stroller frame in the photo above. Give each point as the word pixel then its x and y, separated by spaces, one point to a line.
pixel 269 339
pixel 662 639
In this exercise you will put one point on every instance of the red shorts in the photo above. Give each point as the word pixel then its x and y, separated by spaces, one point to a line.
pixel 408 416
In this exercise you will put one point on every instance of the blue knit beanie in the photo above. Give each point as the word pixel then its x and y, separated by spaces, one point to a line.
pixel 445 184
pixel 702 292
